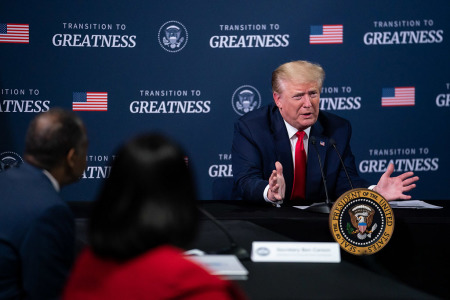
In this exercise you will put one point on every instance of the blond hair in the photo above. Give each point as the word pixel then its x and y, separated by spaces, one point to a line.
pixel 299 71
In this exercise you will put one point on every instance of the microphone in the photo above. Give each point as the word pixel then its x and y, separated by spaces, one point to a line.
pixel 323 207
pixel 333 143
pixel 234 248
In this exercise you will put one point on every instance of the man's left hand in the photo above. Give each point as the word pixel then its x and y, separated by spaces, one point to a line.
pixel 392 188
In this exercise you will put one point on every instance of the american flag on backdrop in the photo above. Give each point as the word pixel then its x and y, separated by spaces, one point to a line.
pixel 14 33
pixel 326 34
pixel 89 101
pixel 398 96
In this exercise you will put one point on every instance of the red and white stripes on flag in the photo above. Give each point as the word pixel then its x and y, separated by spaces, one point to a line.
pixel 14 33
pixel 89 101
pixel 398 96
pixel 326 34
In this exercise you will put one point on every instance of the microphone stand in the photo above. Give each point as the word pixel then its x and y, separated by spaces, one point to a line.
pixel 322 207
pixel 234 248
pixel 333 143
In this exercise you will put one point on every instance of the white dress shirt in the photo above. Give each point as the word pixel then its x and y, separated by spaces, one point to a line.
pixel 291 131
pixel 52 180
pixel 293 139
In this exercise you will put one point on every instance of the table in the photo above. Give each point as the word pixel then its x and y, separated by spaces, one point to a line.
pixel 416 255
pixel 409 267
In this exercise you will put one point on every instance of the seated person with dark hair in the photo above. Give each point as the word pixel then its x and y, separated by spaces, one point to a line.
pixel 145 213
pixel 37 238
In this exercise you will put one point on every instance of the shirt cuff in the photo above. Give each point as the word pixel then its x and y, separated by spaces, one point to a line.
pixel 274 203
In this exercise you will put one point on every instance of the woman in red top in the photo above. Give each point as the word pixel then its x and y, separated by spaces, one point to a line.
pixel 145 214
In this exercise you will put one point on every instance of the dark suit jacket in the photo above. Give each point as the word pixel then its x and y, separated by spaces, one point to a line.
pixel 36 236
pixel 261 139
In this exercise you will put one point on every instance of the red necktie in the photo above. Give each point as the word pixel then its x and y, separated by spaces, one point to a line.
pixel 298 189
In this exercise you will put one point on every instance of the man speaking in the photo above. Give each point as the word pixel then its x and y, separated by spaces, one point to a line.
pixel 273 147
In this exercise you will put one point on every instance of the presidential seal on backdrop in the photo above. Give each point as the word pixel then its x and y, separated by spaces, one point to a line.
pixel 9 160
pixel 361 221
pixel 245 98
pixel 173 36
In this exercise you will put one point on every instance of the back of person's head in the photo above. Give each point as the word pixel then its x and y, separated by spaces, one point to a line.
pixel 148 200
pixel 298 72
pixel 51 135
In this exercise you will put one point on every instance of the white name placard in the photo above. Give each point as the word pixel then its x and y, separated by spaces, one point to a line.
pixel 225 265
pixel 296 252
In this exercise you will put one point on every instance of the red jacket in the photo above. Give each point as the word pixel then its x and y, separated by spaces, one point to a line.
pixel 162 273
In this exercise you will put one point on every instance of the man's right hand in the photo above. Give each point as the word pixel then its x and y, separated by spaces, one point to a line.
pixel 277 186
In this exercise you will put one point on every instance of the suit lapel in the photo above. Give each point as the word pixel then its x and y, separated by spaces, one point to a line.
pixel 282 148
pixel 314 184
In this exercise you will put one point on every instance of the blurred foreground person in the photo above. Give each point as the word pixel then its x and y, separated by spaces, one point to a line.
pixel 37 239
pixel 145 213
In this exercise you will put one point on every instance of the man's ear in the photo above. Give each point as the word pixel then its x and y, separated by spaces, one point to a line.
pixel 71 157
pixel 276 98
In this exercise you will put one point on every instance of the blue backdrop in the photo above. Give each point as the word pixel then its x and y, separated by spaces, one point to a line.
pixel 189 69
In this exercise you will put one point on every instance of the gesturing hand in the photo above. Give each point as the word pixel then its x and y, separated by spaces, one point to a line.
pixel 277 186
pixel 392 188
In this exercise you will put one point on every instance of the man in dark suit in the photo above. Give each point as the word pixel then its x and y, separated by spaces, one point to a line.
pixel 36 227
pixel 269 140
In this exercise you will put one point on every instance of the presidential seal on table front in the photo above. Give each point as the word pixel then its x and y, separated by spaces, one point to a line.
pixel 361 221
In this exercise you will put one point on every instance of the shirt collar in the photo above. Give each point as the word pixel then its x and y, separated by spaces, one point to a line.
pixel 52 180
pixel 291 130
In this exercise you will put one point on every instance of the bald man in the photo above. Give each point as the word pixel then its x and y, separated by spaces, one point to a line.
pixel 36 226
